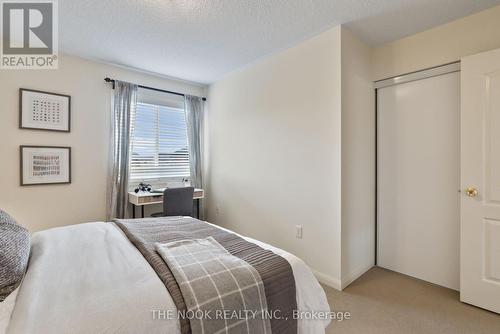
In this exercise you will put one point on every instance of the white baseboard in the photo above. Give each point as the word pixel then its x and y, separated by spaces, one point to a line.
pixel 344 282
pixel 354 276
pixel 327 280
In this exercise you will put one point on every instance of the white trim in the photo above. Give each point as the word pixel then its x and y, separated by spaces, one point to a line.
pixel 418 75
pixel 346 281
pixel 327 280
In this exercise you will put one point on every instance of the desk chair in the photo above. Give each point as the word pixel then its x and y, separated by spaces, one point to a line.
pixel 177 202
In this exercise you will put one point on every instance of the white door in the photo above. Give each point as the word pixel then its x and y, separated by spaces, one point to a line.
pixel 480 204
pixel 419 178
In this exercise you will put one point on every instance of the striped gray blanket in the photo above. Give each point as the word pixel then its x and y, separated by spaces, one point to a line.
pixel 275 272
pixel 213 282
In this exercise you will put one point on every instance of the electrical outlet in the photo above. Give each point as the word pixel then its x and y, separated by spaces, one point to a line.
pixel 298 231
pixel 217 210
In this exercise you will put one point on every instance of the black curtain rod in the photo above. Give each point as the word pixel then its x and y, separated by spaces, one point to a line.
pixel 151 88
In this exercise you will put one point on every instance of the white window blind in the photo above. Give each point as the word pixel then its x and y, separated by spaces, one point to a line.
pixel 159 143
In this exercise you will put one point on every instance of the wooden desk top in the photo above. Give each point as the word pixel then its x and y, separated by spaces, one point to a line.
pixel 146 198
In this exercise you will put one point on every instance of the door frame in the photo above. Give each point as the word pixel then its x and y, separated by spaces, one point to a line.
pixel 397 80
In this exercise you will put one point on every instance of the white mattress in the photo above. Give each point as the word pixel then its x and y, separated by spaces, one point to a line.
pixel 89 278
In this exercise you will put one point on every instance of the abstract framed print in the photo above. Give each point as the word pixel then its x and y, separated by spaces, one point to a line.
pixel 41 165
pixel 44 111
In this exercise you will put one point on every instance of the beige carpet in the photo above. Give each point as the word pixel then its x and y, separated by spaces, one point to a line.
pixel 385 302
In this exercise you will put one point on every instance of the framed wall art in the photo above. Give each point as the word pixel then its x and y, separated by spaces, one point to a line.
pixel 44 111
pixel 45 165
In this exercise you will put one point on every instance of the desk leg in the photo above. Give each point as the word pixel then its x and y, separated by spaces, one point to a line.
pixel 142 211
pixel 133 210
pixel 198 208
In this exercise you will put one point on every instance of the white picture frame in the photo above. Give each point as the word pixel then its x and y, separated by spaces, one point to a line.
pixel 42 165
pixel 40 110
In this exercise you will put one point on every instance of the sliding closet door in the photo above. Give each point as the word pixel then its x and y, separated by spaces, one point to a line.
pixel 419 179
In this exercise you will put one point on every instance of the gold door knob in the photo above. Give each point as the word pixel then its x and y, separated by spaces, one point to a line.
pixel 471 192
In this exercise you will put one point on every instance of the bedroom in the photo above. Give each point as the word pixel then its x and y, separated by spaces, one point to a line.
pixel 287 119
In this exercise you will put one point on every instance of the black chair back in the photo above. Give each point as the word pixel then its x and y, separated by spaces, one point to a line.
pixel 178 201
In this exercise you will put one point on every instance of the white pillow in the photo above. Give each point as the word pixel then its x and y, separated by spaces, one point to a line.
pixel 6 308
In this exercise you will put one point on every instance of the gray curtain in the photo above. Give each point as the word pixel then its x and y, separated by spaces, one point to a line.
pixel 123 109
pixel 195 109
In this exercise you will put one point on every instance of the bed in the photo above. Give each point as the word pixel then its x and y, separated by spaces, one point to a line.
pixel 90 278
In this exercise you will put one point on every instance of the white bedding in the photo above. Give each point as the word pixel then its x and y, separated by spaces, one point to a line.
pixel 89 278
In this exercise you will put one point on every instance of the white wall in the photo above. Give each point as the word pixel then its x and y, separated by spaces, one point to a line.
pixel 444 44
pixel 274 137
pixel 274 133
pixel 42 207
pixel 358 159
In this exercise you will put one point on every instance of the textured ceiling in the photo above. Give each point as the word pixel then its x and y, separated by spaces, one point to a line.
pixel 202 40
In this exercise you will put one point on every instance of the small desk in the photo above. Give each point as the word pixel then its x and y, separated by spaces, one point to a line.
pixel 145 198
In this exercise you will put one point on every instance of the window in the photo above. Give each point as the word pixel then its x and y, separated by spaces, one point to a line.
pixel 159 143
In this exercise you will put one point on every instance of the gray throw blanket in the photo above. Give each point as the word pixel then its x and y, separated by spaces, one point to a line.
pixel 212 281
pixel 275 272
